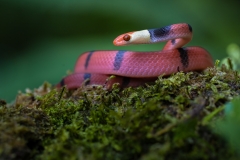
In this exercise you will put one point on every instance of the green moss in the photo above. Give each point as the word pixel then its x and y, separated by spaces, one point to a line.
pixel 171 119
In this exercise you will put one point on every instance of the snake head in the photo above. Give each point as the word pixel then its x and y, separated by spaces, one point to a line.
pixel 123 39
pixel 137 37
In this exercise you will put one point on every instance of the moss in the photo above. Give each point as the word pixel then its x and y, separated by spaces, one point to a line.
pixel 171 119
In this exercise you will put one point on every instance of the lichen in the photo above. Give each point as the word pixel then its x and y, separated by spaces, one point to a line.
pixel 172 119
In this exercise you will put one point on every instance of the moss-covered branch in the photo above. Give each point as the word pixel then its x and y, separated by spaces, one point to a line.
pixel 168 120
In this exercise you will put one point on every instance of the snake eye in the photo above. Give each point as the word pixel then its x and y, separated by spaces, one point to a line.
pixel 126 37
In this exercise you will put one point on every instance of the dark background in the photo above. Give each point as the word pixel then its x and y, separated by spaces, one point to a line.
pixel 41 40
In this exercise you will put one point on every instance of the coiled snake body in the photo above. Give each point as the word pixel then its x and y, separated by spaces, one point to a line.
pixel 136 68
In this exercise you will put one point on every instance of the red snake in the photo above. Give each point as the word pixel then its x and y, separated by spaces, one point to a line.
pixel 133 68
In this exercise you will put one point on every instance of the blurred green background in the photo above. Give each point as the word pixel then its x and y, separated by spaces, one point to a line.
pixel 41 40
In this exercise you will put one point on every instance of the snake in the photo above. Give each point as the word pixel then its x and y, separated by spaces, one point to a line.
pixel 135 68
